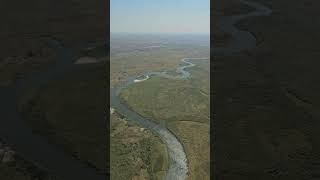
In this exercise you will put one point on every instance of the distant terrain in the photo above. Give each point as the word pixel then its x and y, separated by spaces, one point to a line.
pixel 132 55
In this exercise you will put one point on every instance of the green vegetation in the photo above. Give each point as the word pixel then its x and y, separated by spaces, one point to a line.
pixel 136 153
pixel 196 141
pixel 167 99
pixel 184 105
pixel 171 99
pixel 71 111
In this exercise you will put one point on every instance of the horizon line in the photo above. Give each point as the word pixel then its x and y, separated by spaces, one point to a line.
pixel 160 32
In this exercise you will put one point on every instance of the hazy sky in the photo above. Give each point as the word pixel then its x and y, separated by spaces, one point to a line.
pixel 188 16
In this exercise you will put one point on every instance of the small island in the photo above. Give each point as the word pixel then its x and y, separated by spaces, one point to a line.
pixel 141 78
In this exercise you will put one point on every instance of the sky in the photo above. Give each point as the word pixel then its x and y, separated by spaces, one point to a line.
pixel 160 16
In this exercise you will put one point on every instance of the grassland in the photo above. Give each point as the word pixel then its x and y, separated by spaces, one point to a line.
pixel 135 152
pixel 184 105
pixel 194 137
pixel 70 111
pixel 130 57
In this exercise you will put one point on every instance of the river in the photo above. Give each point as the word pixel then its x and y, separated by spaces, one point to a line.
pixel 178 167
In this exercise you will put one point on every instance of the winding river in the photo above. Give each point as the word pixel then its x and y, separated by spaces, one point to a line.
pixel 242 40
pixel 178 167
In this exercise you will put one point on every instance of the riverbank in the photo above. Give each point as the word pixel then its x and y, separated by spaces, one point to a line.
pixel 135 152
